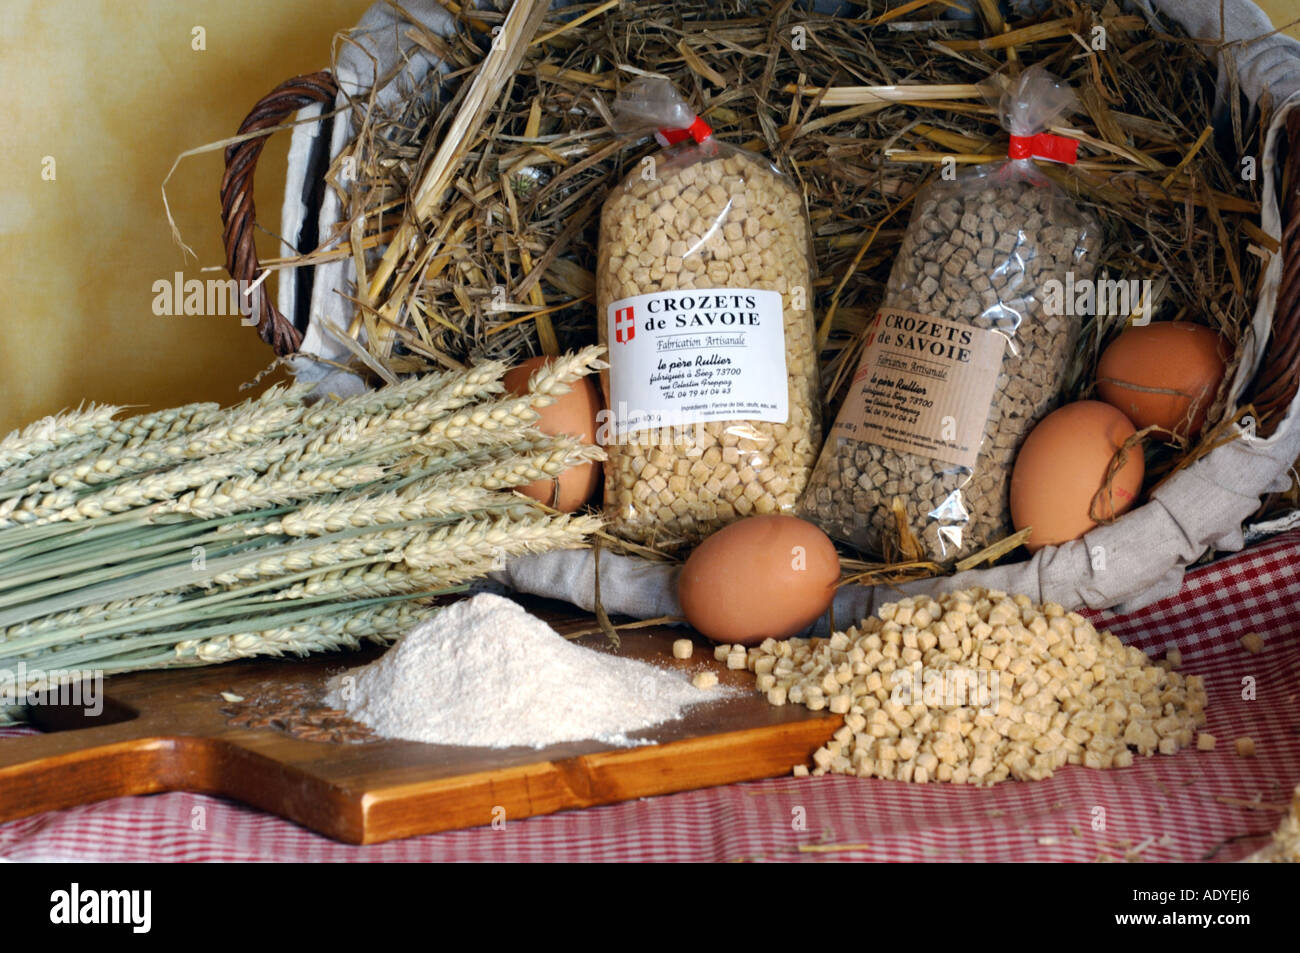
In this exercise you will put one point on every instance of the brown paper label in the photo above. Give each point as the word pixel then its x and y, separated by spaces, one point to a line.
pixel 923 386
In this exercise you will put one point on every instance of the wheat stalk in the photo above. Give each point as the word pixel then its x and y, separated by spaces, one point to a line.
pixel 116 651
pixel 482 380
pixel 380 623
pixel 472 540
pixel 20 510
pixel 460 391
pixel 268 417
pixel 465 490
pixel 270 526
pixel 65 483
pixel 50 433
pixel 256 492
pixel 270 472
pixel 313 554
pixel 264 417
pixel 528 463
pixel 365 582
pixel 159 425
pixel 319 519
pixel 500 421
pixel 95 613
pixel 556 376
pixel 28 478
pixel 138 493
pixel 494 539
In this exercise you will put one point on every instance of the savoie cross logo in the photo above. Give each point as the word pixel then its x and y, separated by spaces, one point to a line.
pixel 624 325
pixel 77 906
pixel 873 329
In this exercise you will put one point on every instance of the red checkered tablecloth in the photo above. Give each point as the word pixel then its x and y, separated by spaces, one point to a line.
pixel 1192 806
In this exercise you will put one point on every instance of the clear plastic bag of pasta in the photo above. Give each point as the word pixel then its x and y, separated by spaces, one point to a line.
pixel 704 293
pixel 968 351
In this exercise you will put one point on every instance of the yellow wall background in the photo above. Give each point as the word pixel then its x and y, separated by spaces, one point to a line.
pixel 114 92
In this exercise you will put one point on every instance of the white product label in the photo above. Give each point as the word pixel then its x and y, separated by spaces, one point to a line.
pixel 696 355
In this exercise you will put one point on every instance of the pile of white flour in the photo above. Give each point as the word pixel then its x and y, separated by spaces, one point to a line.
pixel 484 672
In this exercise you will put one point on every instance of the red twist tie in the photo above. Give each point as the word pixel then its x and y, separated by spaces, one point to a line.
pixel 1044 145
pixel 699 130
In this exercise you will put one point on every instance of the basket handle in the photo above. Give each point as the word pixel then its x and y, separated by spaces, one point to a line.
pixel 1278 378
pixel 238 212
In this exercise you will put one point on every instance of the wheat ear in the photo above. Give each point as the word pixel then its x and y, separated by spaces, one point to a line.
pixel 379 623
pixel 50 433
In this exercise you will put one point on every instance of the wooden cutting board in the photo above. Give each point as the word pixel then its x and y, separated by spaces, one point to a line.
pixel 166 731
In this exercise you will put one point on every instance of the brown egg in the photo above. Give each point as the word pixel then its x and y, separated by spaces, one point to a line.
pixel 762 577
pixel 1164 374
pixel 1062 465
pixel 574 414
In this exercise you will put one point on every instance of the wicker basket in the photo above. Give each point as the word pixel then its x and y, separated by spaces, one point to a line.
pixel 238 210
pixel 1271 392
